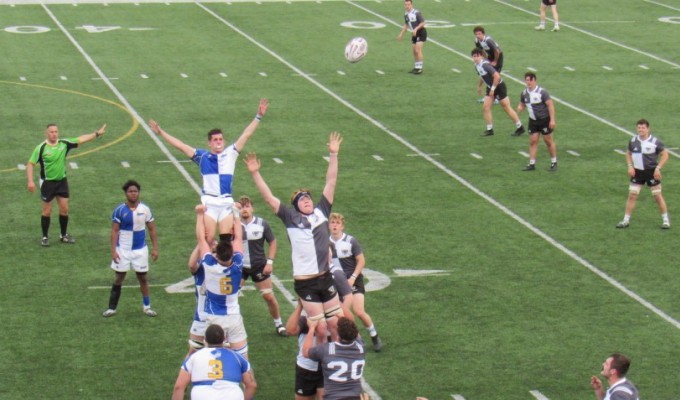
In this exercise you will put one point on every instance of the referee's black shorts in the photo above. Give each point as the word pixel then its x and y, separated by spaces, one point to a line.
pixel 51 189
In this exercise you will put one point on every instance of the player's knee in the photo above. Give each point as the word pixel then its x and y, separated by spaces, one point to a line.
pixel 635 189
pixel 266 292
pixel 656 191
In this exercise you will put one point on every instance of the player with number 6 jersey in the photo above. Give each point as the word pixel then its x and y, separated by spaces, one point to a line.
pixel 223 272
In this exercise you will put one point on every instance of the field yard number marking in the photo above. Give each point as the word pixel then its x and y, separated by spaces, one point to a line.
pixel 98 29
pixel 27 29
pixel 379 25
pixel 86 28
pixel 670 20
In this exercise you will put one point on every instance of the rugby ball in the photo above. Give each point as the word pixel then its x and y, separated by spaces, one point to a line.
pixel 356 49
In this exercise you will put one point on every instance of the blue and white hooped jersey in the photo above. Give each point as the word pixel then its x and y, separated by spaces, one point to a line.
pixel 217 170
pixel 216 373
pixel 222 285
pixel 132 235
pixel 199 279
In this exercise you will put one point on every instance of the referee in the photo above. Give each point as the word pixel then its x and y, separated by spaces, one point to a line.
pixel 51 155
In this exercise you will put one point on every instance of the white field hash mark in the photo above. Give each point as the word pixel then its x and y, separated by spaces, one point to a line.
pixel 538 395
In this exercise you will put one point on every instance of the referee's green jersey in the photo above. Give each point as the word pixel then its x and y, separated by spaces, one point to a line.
pixel 52 159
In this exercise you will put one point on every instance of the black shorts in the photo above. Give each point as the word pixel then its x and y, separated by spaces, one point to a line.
pixel 341 283
pixel 307 382
pixel 549 2
pixel 50 189
pixel 358 286
pixel 500 93
pixel 499 63
pixel 255 273
pixel 541 126
pixel 319 289
pixel 644 176
pixel 421 36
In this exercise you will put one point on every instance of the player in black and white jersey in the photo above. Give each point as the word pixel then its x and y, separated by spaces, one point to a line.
pixel 615 368
pixel 646 156
pixel 307 228
pixel 493 51
pixel 351 258
pixel 308 374
pixel 556 18
pixel 342 361
pixel 541 110
pixel 495 89
pixel 256 264
pixel 414 21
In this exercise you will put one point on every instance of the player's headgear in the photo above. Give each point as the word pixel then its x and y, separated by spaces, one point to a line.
pixel 297 195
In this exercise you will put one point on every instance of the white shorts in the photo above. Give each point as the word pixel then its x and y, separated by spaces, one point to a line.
pixel 218 390
pixel 217 208
pixel 234 330
pixel 137 259
pixel 198 328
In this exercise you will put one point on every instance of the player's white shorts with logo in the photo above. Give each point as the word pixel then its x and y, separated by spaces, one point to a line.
pixel 217 208
pixel 138 260
pixel 234 330
pixel 198 328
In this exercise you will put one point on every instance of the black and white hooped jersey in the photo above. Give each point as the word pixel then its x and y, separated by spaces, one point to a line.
pixel 413 18
pixel 309 238
pixel 255 234
pixel 347 249
pixel 535 102
pixel 645 153
pixel 489 45
pixel 486 71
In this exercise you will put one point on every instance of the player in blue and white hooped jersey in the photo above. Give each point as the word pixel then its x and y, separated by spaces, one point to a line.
pixel 217 166
pixel 223 272
pixel 307 228
pixel 215 373
pixel 130 220
pixel 198 324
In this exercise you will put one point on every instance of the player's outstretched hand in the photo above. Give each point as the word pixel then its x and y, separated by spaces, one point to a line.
pixel 154 126
pixel 252 162
pixel 262 109
pixel 101 131
pixel 334 142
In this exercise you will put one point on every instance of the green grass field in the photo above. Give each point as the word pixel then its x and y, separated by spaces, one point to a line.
pixel 535 287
